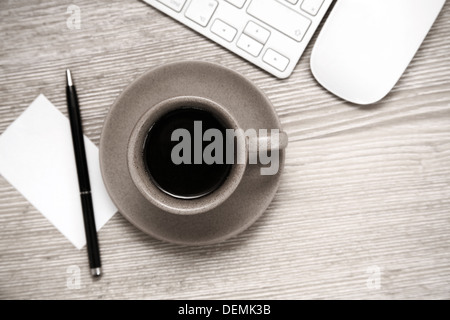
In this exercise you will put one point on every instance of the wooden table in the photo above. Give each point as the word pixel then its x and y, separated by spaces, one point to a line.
pixel 363 210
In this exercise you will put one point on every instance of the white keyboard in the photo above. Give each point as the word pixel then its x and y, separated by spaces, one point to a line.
pixel 272 34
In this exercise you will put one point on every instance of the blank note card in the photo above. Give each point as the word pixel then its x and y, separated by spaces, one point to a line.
pixel 37 158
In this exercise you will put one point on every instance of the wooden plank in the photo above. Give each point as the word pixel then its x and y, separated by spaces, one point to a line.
pixel 363 186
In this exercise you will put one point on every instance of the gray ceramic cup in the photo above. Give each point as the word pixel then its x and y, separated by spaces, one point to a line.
pixel 152 193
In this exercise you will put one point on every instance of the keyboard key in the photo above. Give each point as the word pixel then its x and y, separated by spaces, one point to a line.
pixel 237 3
pixel 311 6
pixel 201 11
pixel 223 30
pixel 249 45
pixel 292 1
pixel 276 60
pixel 257 32
pixel 280 17
pixel 176 5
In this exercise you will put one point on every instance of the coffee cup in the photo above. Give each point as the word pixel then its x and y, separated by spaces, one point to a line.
pixel 168 171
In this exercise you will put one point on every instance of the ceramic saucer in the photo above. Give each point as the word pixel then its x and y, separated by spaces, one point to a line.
pixel 249 106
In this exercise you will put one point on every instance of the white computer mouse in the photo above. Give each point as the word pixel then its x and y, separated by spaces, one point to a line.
pixel 365 45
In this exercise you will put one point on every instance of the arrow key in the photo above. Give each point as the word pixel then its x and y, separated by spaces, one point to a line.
pixel 276 60
pixel 249 45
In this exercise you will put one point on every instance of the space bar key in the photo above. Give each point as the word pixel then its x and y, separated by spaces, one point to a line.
pixel 280 17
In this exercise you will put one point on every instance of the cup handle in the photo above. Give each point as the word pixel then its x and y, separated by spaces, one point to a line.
pixel 273 142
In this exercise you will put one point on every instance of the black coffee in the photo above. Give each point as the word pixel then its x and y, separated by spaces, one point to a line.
pixel 185 181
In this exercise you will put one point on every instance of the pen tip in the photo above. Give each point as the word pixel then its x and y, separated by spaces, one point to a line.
pixel 69 78
pixel 96 272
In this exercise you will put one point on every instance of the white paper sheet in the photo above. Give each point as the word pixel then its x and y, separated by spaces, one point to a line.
pixel 37 158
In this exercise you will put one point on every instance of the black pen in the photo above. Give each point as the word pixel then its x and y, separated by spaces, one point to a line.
pixel 83 177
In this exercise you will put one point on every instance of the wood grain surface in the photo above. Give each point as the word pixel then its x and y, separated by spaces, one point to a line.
pixel 365 189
